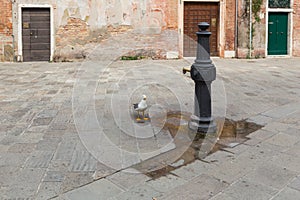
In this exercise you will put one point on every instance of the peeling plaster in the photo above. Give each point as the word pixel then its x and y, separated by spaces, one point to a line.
pixel 100 17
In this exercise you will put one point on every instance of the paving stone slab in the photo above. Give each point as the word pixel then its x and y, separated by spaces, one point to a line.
pixel 261 134
pixel 13 159
pixel 192 170
pixel 17 129
pixel 39 159
pixel 101 189
pixel 294 150
pixel 271 175
pixel 283 111
pixel 129 159
pixel 74 180
pixel 283 140
pixel 59 165
pixel 295 184
pixel 49 144
pixel 291 119
pixel 286 161
pixel 25 184
pixel 219 156
pixel 31 137
pixel 253 142
pixel 287 193
pixel 83 161
pixel 266 150
pixel 47 113
pixel 102 171
pixel 293 131
pixel 65 149
pixel 260 119
pixel 48 190
pixel 201 187
pixel 128 179
pixel 42 121
pixel 223 196
pixel 276 126
pixel 7 174
pixel 244 189
pixel 141 192
pixel 237 150
pixel 9 140
pixel 22 148
pixel 166 183
pixel 54 176
pixel 230 171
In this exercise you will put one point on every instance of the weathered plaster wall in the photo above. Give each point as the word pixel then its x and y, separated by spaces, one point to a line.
pixel 6 47
pixel 243 29
pixel 230 25
pixel 258 31
pixel 296 29
pixel 78 22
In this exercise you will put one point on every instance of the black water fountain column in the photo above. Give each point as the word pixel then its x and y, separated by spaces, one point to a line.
pixel 203 72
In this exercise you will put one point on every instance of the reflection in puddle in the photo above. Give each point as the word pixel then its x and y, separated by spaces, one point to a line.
pixel 233 133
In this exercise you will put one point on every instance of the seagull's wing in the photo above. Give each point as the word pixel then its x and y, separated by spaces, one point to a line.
pixel 135 105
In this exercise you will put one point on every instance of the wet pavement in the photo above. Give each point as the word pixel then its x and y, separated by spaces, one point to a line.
pixel 68 130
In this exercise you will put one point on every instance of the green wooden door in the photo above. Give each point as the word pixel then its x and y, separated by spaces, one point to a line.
pixel 278 33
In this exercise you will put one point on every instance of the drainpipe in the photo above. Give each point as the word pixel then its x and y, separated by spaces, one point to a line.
pixel 236 28
pixel 13 36
pixel 250 31
pixel 13 46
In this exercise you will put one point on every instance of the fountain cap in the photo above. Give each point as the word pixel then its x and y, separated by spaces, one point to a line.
pixel 203 26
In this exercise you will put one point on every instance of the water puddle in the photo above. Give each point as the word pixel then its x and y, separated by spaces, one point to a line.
pixel 233 134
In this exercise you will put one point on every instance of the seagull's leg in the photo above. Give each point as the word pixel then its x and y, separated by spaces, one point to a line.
pixel 145 118
pixel 138 118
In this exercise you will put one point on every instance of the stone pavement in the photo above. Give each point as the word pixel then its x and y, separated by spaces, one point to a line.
pixel 63 124
pixel 267 166
pixel 42 155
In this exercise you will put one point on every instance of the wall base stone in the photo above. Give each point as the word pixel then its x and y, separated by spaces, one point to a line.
pixel 229 54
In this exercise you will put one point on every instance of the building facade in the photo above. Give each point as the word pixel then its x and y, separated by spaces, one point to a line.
pixel 272 31
pixel 47 30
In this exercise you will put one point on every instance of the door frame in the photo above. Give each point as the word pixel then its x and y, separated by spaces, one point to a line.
pixel 220 37
pixel 289 11
pixel 20 34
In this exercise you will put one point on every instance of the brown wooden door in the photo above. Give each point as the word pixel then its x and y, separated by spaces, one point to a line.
pixel 194 13
pixel 36 34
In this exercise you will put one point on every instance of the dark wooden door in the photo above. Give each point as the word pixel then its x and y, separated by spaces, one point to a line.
pixel 278 33
pixel 194 13
pixel 36 34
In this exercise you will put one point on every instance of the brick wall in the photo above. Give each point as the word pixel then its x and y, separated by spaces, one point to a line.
pixel 171 14
pixel 229 25
pixel 296 29
pixel 68 37
pixel 6 50
pixel 75 31
pixel 72 37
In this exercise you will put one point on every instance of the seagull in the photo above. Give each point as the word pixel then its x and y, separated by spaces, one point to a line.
pixel 141 107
